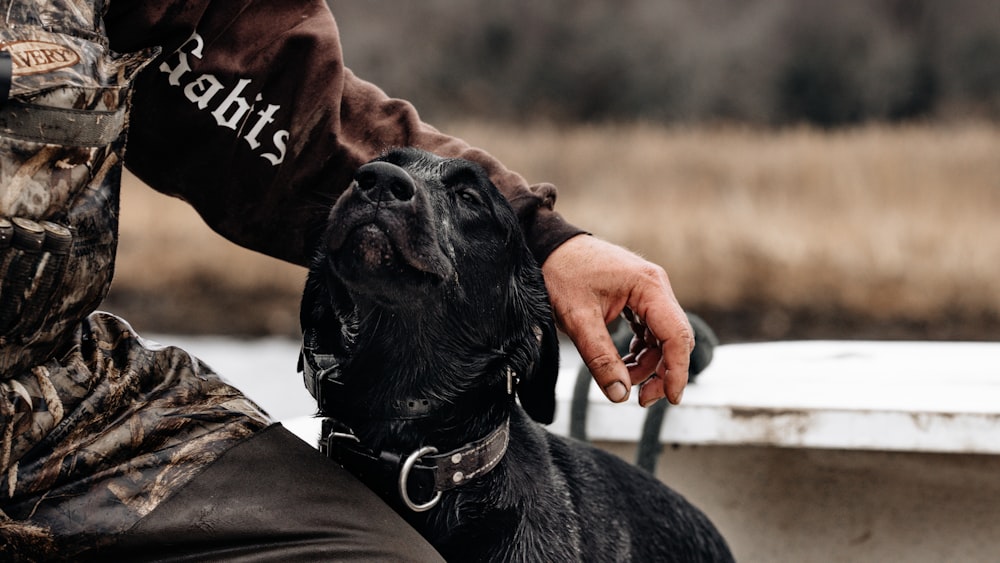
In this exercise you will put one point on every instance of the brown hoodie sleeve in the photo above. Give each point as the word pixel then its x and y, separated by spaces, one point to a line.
pixel 250 115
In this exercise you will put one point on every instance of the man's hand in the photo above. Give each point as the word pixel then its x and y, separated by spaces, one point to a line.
pixel 590 283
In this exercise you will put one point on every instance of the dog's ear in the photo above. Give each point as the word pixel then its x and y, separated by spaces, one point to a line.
pixel 537 389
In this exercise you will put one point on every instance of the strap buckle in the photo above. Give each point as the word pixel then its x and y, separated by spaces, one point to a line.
pixel 318 371
pixel 512 380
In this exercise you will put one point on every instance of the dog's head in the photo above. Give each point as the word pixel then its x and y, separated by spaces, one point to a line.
pixel 423 289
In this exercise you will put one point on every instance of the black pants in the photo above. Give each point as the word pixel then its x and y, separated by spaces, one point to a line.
pixel 271 498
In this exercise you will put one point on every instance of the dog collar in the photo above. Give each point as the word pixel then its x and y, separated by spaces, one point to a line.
pixel 409 408
pixel 421 474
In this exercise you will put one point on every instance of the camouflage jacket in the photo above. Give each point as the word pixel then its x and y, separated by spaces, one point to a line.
pixel 96 426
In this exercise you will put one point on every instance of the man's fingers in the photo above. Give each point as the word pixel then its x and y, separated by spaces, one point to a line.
pixel 651 391
pixel 673 369
pixel 643 364
pixel 598 352
pixel 667 360
pixel 669 383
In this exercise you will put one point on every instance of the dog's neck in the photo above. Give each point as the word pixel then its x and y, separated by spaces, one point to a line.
pixel 398 419
pixel 401 389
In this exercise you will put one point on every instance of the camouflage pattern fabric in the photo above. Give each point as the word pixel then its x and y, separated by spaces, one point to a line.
pixel 93 441
pixel 97 427
pixel 60 64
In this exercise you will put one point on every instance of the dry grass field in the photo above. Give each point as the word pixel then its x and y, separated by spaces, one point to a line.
pixel 873 232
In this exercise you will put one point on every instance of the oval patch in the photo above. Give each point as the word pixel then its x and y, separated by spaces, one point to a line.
pixel 37 57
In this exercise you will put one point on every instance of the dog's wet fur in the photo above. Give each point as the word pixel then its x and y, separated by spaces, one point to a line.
pixel 423 287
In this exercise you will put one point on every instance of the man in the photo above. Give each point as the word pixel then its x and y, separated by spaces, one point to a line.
pixel 113 448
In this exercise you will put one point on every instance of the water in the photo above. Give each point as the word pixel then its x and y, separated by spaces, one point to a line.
pixel 263 368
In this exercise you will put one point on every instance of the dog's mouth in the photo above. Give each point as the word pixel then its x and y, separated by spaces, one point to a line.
pixel 370 255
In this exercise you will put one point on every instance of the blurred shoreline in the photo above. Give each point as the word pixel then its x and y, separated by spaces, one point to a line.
pixel 880 232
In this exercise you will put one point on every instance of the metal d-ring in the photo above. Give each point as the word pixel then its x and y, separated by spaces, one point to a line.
pixel 404 475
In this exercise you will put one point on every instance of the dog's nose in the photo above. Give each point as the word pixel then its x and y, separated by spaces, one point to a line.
pixel 383 181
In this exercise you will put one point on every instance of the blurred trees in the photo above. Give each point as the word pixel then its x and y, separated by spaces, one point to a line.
pixel 760 61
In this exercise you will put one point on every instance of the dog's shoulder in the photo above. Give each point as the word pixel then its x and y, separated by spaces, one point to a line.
pixel 616 507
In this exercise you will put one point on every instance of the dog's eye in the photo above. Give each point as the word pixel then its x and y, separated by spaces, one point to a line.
pixel 468 195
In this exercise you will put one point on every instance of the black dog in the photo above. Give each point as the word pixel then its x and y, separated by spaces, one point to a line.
pixel 423 315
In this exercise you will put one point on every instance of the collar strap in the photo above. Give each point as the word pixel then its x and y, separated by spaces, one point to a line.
pixel 408 408
pixel 417 478
pixel 318 369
